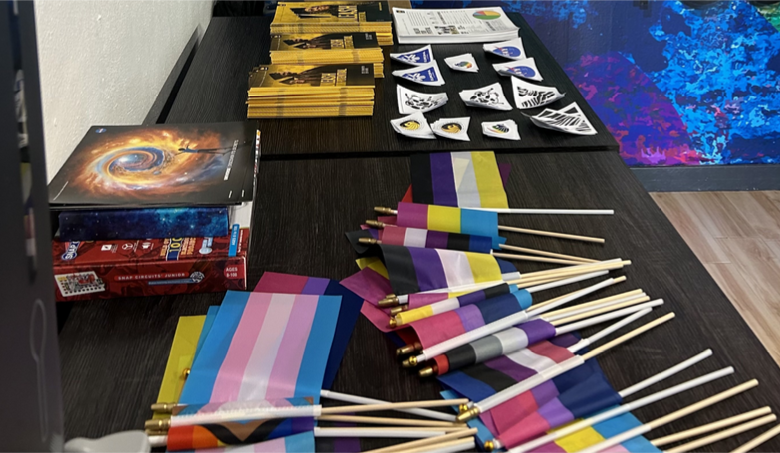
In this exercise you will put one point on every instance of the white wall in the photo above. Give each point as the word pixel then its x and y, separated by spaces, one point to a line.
pixel 103 62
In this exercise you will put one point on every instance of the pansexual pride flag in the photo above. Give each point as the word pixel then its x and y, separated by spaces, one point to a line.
pixel 413 269
pixel 450 220
pixel 251 354
pixel 496 345
pixel 598 433
pixel 273 282
pixel 415 237
pixel 459 179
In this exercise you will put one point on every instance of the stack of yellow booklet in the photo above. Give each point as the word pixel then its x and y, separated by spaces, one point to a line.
pixel 335 17
pixel 318 48
pixel 308 91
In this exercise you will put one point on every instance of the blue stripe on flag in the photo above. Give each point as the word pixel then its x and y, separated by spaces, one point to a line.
pixel 315 356
pixel 200 383
pixel 480 223
pixel 204 332
pixel 480 244
pixel 478 390
pixel 524 298
pixel 348 316
pixel 299 443
pixel 499 307
pixel 483 433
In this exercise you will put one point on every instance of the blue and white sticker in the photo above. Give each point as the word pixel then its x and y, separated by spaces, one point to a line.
pixel 419 57
pixel 464 63
pixel 524 68
pixel 512 49
pixel 424 75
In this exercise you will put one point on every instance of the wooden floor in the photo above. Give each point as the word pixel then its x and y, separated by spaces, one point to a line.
pixel 736 235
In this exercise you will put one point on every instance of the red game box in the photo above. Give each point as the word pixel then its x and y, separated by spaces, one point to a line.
pixel 154 267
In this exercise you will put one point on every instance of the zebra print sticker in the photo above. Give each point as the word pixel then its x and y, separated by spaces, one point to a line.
pixel 570 119
pixel 528 96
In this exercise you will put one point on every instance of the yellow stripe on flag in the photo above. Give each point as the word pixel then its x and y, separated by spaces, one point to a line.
pixel 185 341
pixel 373 263
pixel 484 267
pixel 443 218
pixel 580 440
pixel 491 189
pixel 415 315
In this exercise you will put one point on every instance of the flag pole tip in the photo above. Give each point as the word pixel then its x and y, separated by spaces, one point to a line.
pixel 426 372
pixel 375 223
pixel 411 362
pixel 463 408
pixel 489 446
pixel 163 407
pixel 395 310
pixel 468 415
pixel 392 323
pixel 161 424
pixel 388 303
pixel 384 210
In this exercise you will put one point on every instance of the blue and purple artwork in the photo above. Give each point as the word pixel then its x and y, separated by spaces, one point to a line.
pixel 677 83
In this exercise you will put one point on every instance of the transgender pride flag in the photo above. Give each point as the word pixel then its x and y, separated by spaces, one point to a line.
pixel 264 346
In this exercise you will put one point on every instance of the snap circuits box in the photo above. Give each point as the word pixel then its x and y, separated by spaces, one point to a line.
pixel 85 270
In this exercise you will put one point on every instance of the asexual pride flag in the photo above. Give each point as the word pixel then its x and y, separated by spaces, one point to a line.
pixel 458 179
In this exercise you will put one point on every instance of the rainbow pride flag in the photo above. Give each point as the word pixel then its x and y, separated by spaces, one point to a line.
pixel 251 354
pixel 460 179
pixel 413 269
pixel 598 433
pixel 450 220
pixel 415 237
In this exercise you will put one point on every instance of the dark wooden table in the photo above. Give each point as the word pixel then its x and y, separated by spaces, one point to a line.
pixel 114 352
pixel 216 85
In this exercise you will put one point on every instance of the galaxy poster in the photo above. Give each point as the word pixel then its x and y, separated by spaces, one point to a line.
pixel 163 165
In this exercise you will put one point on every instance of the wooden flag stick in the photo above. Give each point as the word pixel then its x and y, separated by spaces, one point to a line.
pixel 388 421
pixel 647 427
pixel 551 234
pixel 385 432
pixel 423 442
pixel 726 433
pixel 623 338
pixel 393 406
pixel 355 399
pixel 622 296
pixel 709 427
pixel 595 311
pixel 758 440
pixel 391 211
pixel 446 447
pixel 537 259
pixel 571 270
pixel 514 248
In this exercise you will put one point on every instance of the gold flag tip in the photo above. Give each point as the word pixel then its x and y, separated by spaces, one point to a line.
pixel 489 445
pixel 426 372
pixel 467 415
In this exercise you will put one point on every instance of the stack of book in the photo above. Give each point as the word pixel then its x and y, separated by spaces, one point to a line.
pixel 320 49
pixel 154 210
pixel 335 17
pixel 309 91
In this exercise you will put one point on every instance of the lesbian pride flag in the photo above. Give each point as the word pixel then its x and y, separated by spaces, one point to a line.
pixel 251 354
pixel 460 179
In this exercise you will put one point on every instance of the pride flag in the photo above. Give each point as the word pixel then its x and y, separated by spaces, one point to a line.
pixel 459 179
pixel 598 433
pixel 450 220
pixel 298 443
pixel 414 269
pixel 415 237
pixel 496 345
pixel 273 282
pixel 214 435
pixel 418 310
pixel 251 354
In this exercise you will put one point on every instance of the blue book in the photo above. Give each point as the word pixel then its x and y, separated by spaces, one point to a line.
pixel 146 223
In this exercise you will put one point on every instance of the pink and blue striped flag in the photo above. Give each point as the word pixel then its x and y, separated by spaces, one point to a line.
pixel 251 354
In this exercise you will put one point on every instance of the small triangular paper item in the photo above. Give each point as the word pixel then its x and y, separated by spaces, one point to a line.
pixel 419 57
pixel 512 49
pixel 414 125
pixel 454 128
pixel 571 119
pixel 524 68
pixel 506 129
pixel 528 95
pixel 411 101
pixel 464 63
pixel 428 74
pixel 491 97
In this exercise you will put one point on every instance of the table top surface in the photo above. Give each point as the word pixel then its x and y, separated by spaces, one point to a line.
pixel 114 352
pixel 215 89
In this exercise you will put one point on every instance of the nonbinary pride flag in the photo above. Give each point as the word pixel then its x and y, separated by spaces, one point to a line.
pixel 598 433
pixel 458 179
pixel 450 220
pixel 251 354
pixel 413 269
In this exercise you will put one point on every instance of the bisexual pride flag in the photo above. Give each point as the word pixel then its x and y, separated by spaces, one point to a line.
pixel 413 269
pixel 459 179
pixel 251 354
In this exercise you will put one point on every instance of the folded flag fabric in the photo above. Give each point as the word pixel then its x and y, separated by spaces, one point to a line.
pixel 214 435
pixel 183 348
pixel 417 312
pixel 273 282
pixel 450 220
pixel 458 179
pixel 415 237
pixel 584 399
pixel 442 327
pixel 211 314
pixel 413 269
pixel 298 443
pixel 598 433
pixel 496 345
pixel 298 406
pixel 251 354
